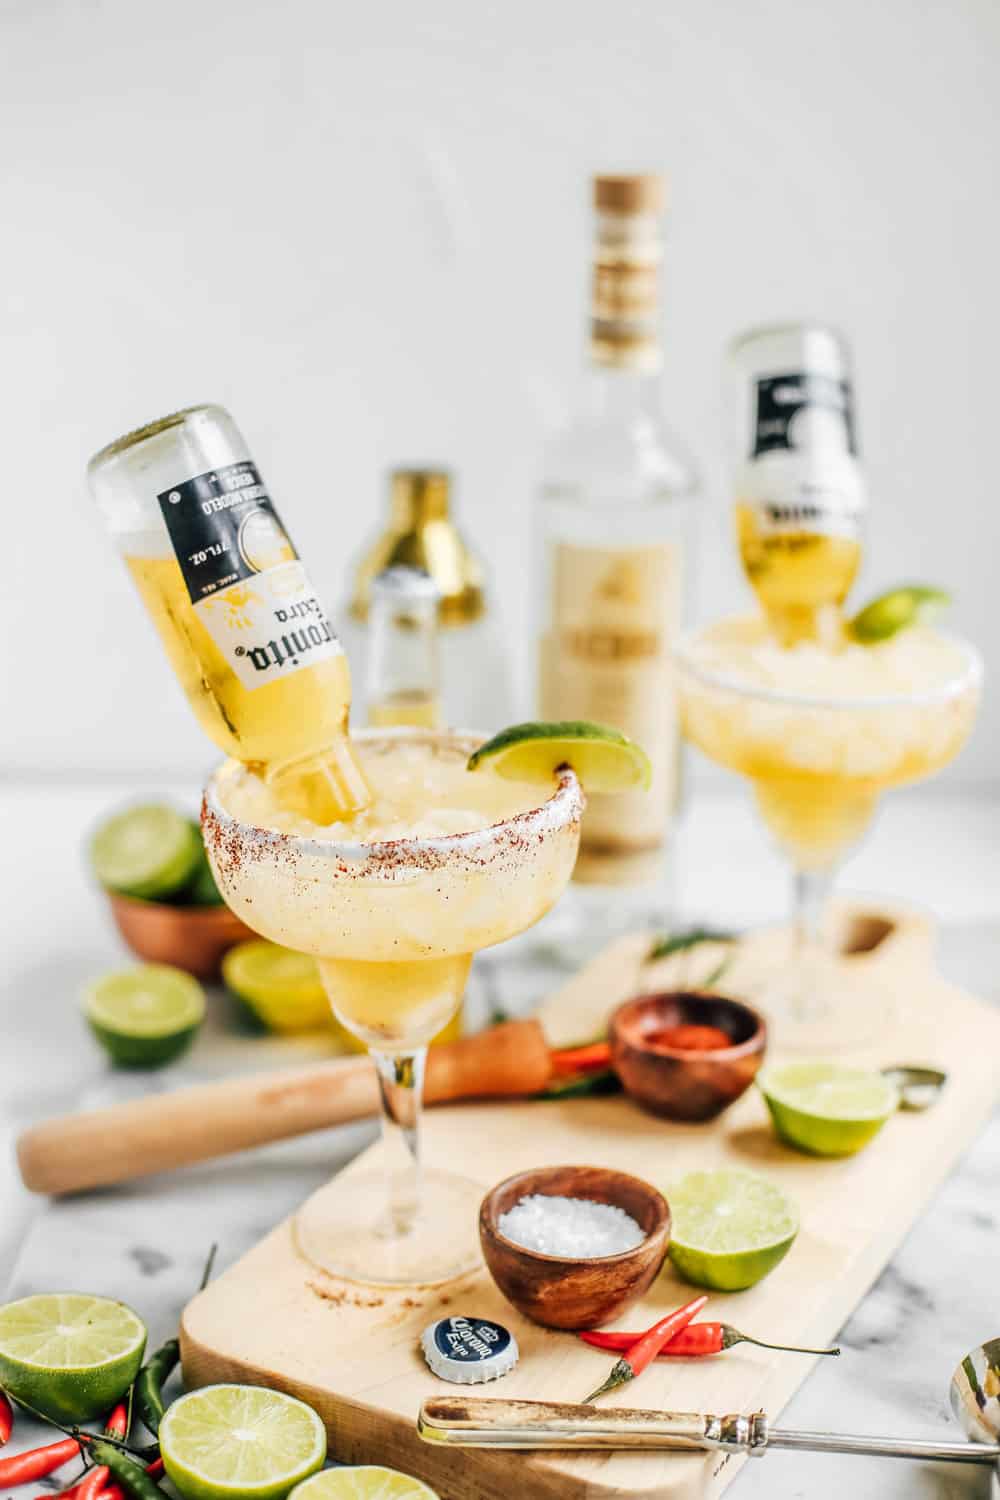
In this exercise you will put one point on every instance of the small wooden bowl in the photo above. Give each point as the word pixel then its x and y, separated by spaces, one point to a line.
pixel 686 1085
pixel 562 1293
pixel 194 938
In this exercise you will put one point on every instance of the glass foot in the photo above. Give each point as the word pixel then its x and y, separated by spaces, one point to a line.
pixel 817 1010
pixel 344 1229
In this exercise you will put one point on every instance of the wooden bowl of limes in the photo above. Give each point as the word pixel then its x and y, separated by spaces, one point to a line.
pixel 150 861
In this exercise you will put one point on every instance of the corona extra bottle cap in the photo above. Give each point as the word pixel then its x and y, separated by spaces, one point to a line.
pixel 469 1351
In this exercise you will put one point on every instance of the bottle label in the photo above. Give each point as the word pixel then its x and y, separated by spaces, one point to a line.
pixel 615 615
pixel 243 575
pixel 810 505
pixel 804 412
pixel 812 486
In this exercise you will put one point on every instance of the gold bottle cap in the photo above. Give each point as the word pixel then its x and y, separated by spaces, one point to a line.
pixel 631 193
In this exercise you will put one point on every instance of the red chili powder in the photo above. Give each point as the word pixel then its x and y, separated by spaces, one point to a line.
pixel 689 1038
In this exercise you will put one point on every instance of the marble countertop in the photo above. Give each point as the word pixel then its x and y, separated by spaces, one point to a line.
pixel 146 1242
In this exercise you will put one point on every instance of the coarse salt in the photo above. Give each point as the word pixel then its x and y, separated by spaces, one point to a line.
pixel 575 1228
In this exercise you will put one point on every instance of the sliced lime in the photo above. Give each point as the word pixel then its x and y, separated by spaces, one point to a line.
pixel 729 1228
pixel 69 1356
pixel 282 987
pixel 604 759
pixel 826 1108
pixel 897 610
pixel 145 1016
pixel 149 851
pixel 363 1482
pixel 240 1442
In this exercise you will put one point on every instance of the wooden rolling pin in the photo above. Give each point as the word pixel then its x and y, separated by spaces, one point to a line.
pixel 75 1152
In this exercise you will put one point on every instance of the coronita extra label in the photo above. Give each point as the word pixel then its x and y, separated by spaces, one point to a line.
pixel 243 575
pixel 803 476
pixel 801 411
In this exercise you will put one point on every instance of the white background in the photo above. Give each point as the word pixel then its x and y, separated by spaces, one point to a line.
pixel 364 228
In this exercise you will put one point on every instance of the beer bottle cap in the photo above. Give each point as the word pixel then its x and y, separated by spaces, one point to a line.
pixel 469 1351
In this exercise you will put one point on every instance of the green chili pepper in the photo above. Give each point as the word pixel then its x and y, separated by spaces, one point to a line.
pixel 150 1381
pixel 133 1479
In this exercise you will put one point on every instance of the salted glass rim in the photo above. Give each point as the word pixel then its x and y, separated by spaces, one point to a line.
pixel 969 677
pixel 559 810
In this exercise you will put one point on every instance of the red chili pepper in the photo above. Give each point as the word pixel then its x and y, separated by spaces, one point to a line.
pixel 696 1341
pixel 113 1492
pixel 648 1346
pixel 6 1419
pixel 582 1059
pixel 117 1424
pixel 21 1468
pixel 93 1483
pixel 155 1469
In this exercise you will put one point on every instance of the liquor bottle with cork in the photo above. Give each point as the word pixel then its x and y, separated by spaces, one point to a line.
pixel 421 533
pixel 241 624
pixel 800 493
pixel 616 515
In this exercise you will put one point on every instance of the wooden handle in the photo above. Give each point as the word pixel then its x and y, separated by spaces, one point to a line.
pixel 492 1422
pixel 75 1152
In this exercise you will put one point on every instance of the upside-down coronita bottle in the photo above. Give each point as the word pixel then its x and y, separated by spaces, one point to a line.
pixel 800 492
pixel 241 624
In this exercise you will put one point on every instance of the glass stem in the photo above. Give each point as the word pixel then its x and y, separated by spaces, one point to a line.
pixel 401 1086
pixel 810 896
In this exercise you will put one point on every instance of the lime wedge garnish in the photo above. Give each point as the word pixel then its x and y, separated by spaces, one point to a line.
pixel 240 1442
pixel 364 1482
pixel 68 1356
pixel 282 987
pixel 897 610
pixel 145 1016
pixel 149 851
pixel 729 1228
pixel 604 759
pixel 826 1108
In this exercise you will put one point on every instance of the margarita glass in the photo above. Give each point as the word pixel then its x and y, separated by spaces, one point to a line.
pixel 393 906
pixel 822 734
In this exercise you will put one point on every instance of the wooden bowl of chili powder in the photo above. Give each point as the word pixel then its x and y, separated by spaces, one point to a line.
pixel 686 1056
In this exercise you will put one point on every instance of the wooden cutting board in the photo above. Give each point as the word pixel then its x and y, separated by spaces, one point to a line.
pixel 352 1352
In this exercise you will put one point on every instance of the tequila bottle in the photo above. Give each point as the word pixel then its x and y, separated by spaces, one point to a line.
pixel 800 493
pixel 616 517
pixel 241 624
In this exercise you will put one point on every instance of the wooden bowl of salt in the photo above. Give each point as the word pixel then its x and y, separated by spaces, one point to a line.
pixel 574 1247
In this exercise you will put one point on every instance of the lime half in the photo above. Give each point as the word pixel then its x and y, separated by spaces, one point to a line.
pixel 240 1442
pixel 363 1482
pixel 282 987
pixel 604 759
pixel 149 851
pixel 730 1228
pixel 146 1016
pixel 826 1108
pixel 897 610
pixel 68 1356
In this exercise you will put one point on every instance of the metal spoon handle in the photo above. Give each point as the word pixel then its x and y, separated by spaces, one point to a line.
pixel 877 1447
